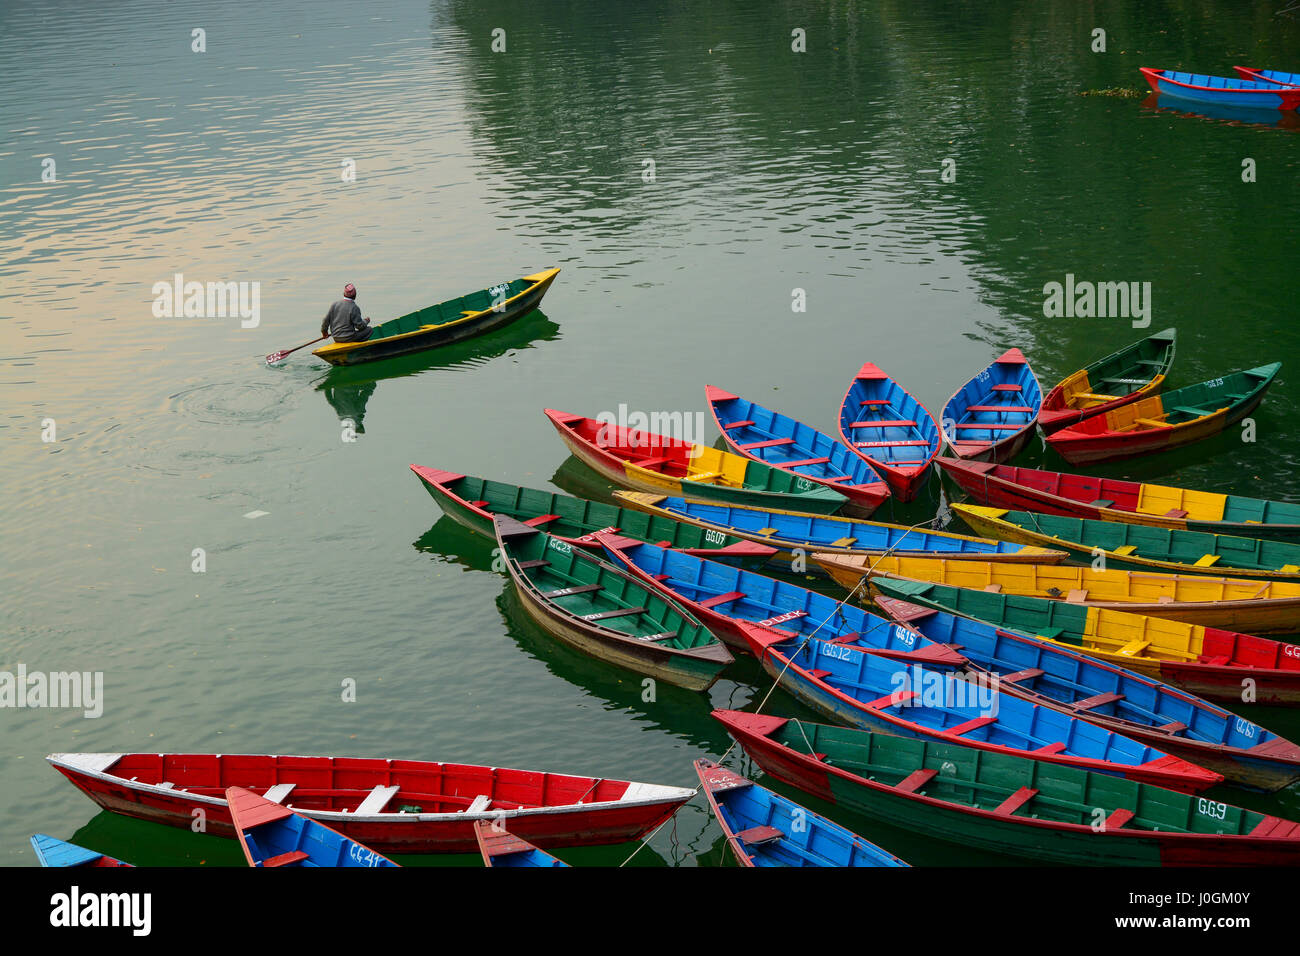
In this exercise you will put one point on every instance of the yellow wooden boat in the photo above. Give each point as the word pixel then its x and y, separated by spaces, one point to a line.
pixel 1256 607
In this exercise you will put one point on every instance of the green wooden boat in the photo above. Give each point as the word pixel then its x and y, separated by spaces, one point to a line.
pixel 1044 812
pixel 473 502
pixel 1140 547
pixel 452 321
pixel 598 609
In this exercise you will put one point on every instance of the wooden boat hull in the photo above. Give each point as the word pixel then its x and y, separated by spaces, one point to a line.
pixel 795 535
pixel 52 852
pixel 1131 373
pixel 546 809
pixel 1268 840
pixel 394 338
pixel 1140 428
pixel 1224 603
pixel 1275 77
pixel 1113 499
pixel 742 487
pixel 501 849
pixel 1221 90
pixel 749 814
pixel 1208 662
pixel 882 422
pixel 694 668
pixel 980 425
pixel 1133 547
pixel 576 519
pixel 1175 722
pixel 273 836
pixel 776 440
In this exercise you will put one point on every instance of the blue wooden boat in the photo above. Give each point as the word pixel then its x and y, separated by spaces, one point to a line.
pixel 992 416
pixel 778 440
pixel 879 679
pixel 54 852
pixel 1133 704
pixel 766 829
pixel 1277 77
pixel 1222 90
pixel 795 532
pixel 1118 699
pixel 882 422
pixel 501 848
pixel 273 835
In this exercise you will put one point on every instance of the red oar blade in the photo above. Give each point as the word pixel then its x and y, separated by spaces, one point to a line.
pixel 276 357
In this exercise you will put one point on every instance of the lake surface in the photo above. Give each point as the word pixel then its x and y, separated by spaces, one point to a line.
pixel 773 171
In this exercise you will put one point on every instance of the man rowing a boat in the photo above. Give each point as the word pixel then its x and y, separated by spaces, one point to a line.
pixel 344 322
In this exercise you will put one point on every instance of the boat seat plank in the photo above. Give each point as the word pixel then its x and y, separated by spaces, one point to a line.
pixel 650 463
pixel 479 504
pixel 1117 819
pixel 1029 673
pixel 1006 388
pixel 874 401
pixel 1217 661
pixel 722 598
pixel 730 425
pixel 993 588
pixel 1205 560
pixel 617 612
pixel 277 793
pixel 892 700
pixel 1097 700
pixel 662 636
pixel 576 589
pixel 541 520
pixel 284 859
pixel 766 531
pixel 1174 727
pixel 1125 549
pixel 916 780
pixel 770 443
pixel 1076 596
pixel 1152 423
pixel 534 563
pixel 759 835
pixel 1101 503
pixel 884 423
pixel 1053 748
pixel 1014 802
pixel 1175 513
pixel 376 800
pixel 1133 648
pixel 992 426
pixel 703 476
pixel 844 542
pixel 975 723
pixel 998 408
pixel 805 461
pixel 479 804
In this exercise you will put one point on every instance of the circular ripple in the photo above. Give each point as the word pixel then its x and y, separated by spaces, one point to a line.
pixel 232 403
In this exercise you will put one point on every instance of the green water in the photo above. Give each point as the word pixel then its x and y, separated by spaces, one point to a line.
pixel 773 171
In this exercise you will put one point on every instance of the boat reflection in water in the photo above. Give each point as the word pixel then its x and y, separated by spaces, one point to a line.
pixel 348 388
pixel 1232 116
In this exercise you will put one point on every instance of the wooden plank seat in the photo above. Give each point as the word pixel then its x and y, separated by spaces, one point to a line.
pixel 769 443
pixel 277 793
pixel 1014 802
pixel 730 425
pixel 1133 648
pixel 999 408
pixel 1205 560
pixel 1101 503
pixel 1052 748
pixel 376 800
pixel 1097 700
pixel 807 461
pixel 576 589
pixel 479 504
pixel 1076 596
pixel 1117 819
pixel 1191 410
pixel 703 476
pixel 917 779
pixel 541 520
pixel 479 804
pixel 1175 513
pixel 1127 381
pixel 1095 397
pixel 992 426
pixel 1006 388
pixel 284 859
pixel 975 723
pixel 1029 673
pixel 844 542
pixel 892 700
pixel 661 636
pixel 534 563
pixel 884 423
pixel 617 612
pixel 757 836
pixel 722 598
pixel 1173 727
pixel 1152 423
pixel 874 401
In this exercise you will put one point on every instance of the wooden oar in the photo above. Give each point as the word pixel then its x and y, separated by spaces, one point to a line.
pixel 281 356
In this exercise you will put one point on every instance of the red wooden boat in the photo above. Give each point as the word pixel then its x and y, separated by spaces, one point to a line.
pixel 398 806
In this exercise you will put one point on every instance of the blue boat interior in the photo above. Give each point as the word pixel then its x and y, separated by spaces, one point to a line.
pixel 884 422
pixel 296 841
pixel 994 405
